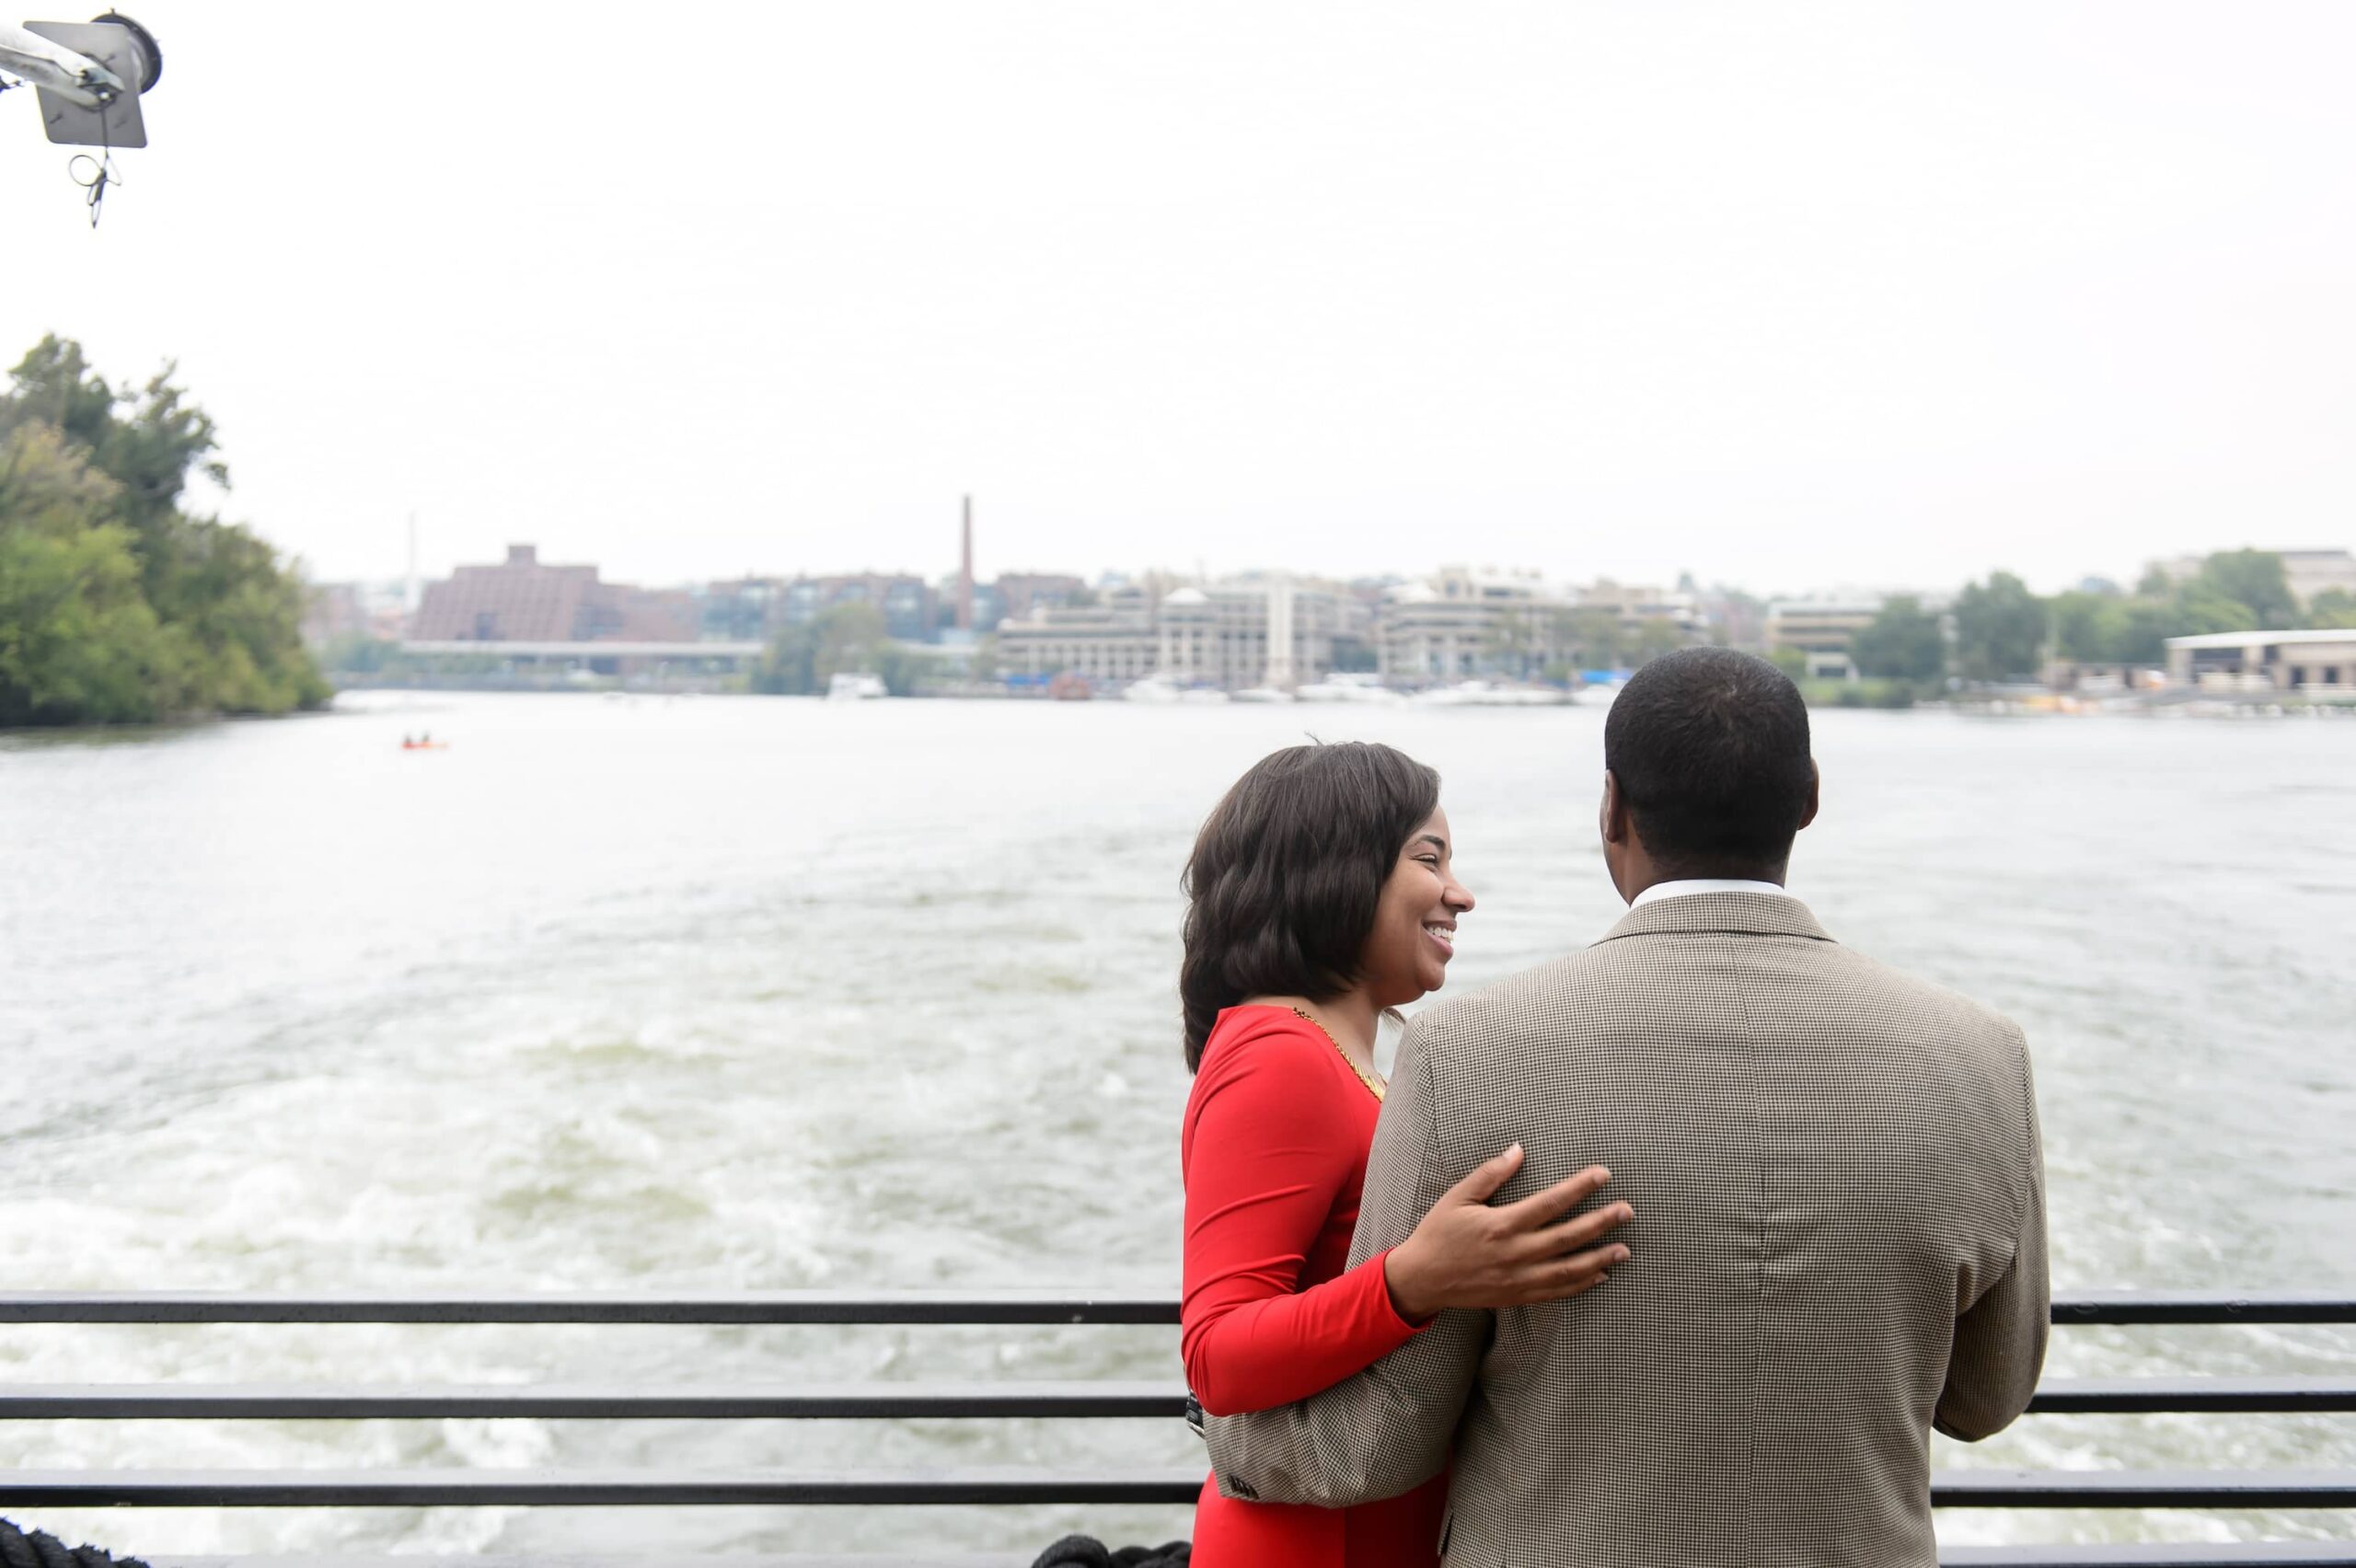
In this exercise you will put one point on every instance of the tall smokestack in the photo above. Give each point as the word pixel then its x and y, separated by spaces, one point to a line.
pixel 965 574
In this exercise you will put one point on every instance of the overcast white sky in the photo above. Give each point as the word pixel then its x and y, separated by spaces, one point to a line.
pixel 1790 295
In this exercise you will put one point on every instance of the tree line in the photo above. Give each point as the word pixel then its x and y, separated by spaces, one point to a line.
pixel 804 659
pixel 117 604
pixel 1554 643
pixel 2002 631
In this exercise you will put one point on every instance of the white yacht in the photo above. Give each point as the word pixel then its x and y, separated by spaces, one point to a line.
pixel 1156 690
pixel 1162 689
pixel 1492 694
pixel 855 687
pixel 1349 687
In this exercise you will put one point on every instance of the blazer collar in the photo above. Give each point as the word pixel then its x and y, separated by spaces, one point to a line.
pixel 1751 913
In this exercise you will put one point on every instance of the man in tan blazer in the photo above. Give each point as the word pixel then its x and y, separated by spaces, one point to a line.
pixel 1839 1239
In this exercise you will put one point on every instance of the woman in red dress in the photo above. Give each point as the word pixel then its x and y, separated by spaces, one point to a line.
pixel 1322 896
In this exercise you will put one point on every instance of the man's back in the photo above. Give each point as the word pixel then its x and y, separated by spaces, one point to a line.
pixel 1839 1236
pixel 1829 1162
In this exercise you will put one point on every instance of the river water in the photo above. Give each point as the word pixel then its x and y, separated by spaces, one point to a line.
pixel 737 993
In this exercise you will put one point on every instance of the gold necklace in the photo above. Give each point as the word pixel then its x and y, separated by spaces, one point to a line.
pixel 1374 1084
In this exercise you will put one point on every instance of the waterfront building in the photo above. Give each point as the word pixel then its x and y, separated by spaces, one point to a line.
pixel 746 609
pixel 2305 572
pixel 1823 629
pixel 1015 596
pixel 1100 643
pixel 335 611
pixel 1253 631
pixel 1639 604
pixel 1448 625
pixel 908 604
pixel 1266 631
pixel 2314 664
pixel 523 599
pixel 2310 572
pixel 1018 594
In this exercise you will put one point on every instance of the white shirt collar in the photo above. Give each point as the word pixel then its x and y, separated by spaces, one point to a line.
pixel 1704 884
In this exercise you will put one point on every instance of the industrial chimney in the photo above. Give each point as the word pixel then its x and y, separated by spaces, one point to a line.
pixel 965 574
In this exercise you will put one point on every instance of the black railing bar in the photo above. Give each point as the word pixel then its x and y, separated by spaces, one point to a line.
pixel 2190 1396
pixel 1079 1400
pixel 2140 1554
pixel 755 1307
pixel 2122 1306
pixel 788 1307
pixel 610 1488
pixel 2143 1489
pixel 628 1559
pixel 67 1401
pixel 2108 1554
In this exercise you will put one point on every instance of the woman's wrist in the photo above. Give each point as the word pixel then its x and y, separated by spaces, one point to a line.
pixel 1399 1276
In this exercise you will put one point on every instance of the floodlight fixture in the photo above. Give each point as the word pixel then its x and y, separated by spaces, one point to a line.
pixel 88 76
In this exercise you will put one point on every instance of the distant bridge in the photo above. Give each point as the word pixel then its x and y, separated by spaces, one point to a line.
pixel 730 652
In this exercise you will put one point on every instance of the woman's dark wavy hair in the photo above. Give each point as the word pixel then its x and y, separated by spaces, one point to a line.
pixel 1282 887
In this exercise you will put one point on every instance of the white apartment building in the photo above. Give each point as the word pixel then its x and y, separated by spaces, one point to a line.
pixel 1442 629
pixel 1101 643
pixel 2305 572
pixel 1821 629
pixel 1636 604
pixel 2311 572
pixel 1271 631
pixel 2317 664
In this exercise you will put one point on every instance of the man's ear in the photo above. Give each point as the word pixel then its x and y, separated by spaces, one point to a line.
pixel 1814 781
pixel 1612 820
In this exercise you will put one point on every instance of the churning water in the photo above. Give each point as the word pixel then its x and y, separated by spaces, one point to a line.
pixel 763 993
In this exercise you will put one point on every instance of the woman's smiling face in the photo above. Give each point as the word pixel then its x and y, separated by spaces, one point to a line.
pixel 1406 954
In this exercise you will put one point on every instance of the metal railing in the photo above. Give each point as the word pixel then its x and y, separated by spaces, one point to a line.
pixel 1973 1488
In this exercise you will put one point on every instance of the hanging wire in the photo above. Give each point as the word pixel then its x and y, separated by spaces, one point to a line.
pixel 95 174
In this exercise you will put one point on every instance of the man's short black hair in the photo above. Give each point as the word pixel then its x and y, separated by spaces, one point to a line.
pixel 1710 749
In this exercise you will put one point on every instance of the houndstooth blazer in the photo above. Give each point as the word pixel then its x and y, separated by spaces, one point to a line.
pixel 1839 1242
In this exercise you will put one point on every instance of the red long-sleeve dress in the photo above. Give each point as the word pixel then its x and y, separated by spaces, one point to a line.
pixel 1274 1155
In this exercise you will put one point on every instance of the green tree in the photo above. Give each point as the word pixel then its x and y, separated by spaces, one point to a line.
pixel 784 666
pixel 2085 626
pixel 2141 633
pixel 217 628
pixel 2254 578
pixel 2199 608
pixel 2334 609
pixel 985 666
pixel 77 639
pixel 1589 638
pixel 804 659
pixel 1515 643
pixel 1654 638
pixel 1903 642
pixel 1999 629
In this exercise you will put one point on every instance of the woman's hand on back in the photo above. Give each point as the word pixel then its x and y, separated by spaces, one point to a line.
pixel 1468 1253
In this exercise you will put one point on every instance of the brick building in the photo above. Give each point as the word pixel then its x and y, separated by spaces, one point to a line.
pixel 522 599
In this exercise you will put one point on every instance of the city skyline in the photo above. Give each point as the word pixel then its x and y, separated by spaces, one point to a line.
pixel 939 575
pixel 1838 293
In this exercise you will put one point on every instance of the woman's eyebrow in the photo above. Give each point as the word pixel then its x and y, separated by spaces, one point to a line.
pixel 1435 841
